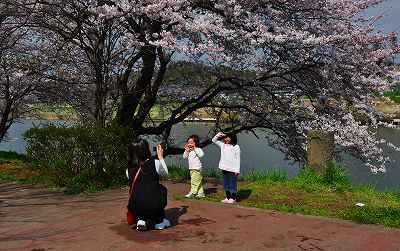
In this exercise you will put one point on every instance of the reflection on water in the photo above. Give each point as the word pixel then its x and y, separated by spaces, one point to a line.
pixel 256 153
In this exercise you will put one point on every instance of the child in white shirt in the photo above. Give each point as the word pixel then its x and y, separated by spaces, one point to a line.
pixel 193 153
pixel 229 164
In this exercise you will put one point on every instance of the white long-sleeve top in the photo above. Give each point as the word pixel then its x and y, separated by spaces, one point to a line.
pixel 161 168
pixel 230 155
pixel 194 158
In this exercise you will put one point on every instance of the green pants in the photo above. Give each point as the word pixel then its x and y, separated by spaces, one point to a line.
pixel 196 182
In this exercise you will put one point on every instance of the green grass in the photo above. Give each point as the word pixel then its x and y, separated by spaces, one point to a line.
pixel 393 95
pixel 57 109
pixel 35 180
pixel 11 158
pixel 178 173
pixel 264 176
pixel 14 167
pixel 45 111
pixel 183 173
pixel 328 195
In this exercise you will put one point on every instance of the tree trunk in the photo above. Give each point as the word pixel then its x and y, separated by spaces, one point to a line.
pixel 3 120
pixel 130 101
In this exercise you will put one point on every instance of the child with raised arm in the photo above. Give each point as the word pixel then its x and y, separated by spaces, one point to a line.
pixel 193 153
pixel 229 164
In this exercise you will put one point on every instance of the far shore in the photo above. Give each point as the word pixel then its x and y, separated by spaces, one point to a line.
pixel 389 109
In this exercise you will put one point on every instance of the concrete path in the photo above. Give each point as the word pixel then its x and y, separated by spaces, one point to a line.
pixel 38 220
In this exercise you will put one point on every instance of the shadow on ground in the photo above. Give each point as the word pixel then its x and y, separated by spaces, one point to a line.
pixel 210 190
pixel 243 194
pixel 130 233
pixel 173 214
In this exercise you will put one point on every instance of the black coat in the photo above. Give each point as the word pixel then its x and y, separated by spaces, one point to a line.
pixel 149 197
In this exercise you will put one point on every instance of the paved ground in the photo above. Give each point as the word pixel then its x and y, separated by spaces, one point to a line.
pixel 38 220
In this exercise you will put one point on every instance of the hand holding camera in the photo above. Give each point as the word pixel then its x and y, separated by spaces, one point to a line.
pixel 160 152
pixel 221 135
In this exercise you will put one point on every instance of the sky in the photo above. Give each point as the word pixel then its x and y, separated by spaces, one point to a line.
pixel 390 22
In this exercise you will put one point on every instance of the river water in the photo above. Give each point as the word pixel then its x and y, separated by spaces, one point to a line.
pixel 256 153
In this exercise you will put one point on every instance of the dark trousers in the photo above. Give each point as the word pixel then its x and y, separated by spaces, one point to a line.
pixel 148 204
pixel 230 184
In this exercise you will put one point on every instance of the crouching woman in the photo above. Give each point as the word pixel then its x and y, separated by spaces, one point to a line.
pixel 148 198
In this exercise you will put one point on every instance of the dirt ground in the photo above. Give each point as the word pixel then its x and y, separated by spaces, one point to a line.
pixel 38 219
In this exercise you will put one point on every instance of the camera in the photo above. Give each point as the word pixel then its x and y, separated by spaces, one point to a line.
pixel 222 137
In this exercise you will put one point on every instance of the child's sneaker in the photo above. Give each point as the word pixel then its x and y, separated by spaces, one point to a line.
pixel 200 196
pixel 225 200
pixel 163 225
pixel 141 225
pixel 189 195
pixel 231 201
pixel 166 222
pixel 160 226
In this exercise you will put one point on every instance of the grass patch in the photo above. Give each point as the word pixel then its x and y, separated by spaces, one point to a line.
pixel 212 173
pixel 393 95
pixel 14 167
pixel 386 216
pixel 328 195
pixel 11 158
pixel 46 110
pixel 265 176
pixel 178 173
pixel 183 173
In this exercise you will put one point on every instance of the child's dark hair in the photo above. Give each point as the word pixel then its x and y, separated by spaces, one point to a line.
pixel 138 152
pixel 195 139
pixel 233 138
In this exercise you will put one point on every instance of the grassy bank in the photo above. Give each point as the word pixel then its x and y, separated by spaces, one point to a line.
pixel 328 195
pixel 393 95
pixel 16 168
pixel 52 112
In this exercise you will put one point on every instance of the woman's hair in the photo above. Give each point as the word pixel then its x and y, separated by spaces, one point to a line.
pixel 195 139
pixel 233 138
pixel 138 152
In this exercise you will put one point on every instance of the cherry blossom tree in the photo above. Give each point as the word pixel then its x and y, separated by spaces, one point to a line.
pixel 262 58
pixel 85 52
pixel 19 64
